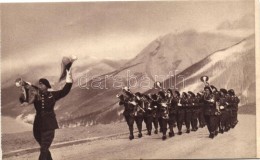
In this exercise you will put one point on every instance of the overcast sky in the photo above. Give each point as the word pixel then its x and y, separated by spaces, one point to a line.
pixel 36 33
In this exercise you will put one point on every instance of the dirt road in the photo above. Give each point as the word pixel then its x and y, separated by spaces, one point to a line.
pixel 237 143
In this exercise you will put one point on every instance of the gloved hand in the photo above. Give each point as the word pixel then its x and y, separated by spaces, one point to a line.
pixel 69 76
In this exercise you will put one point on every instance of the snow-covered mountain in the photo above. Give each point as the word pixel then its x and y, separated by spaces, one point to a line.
pixel 191 53
pixel 230 68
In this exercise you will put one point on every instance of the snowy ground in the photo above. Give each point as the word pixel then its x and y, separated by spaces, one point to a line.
pixel 237 143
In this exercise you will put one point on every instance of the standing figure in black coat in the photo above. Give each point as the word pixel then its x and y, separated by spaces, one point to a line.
pixel 164 113
pixel 148 116
pixel 209 111
pixel 234 107
pixel 45 121
pixel 187 100
pixel 180 112
pixel 154 105
pixel 172 103
pixel 194 109
pixel 129 110
pixel 200 103
pixel 139 112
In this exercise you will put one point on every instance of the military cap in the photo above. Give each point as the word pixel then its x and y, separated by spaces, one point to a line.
pixel 191 93
pixel 207 87
pixel 178 93
pixel 231 92
pixel 223 90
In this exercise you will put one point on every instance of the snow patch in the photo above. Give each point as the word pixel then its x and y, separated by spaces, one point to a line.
pixel 25 119
pixel 221 56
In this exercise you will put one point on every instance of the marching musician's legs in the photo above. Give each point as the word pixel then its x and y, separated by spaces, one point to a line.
pixel 188 120
pixel 145 121
pixel 160 123
pixel 155 123
pixel 139 121
pixel 174 119
pixel 171 124
pixel 37 134
pixel 130 123
pixel 216 123
pixel 201 118
pixel 149 121
pixel 212 125
pixel 235 118
pixel 223 121
pixel 46 140
pixel 180 120
pixel 208 119
pixel 228 124
pixel 194 120
pixel 164 128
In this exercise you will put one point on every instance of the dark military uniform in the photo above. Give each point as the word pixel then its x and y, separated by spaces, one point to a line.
pixel 188 113
pixel 45 121
pixel 139 115
pixel 234 100
pixel 181 114
pixel 155 107
pixel 129 112
pixel 195 113
pixel 209 113
pixel 224 114
pixel 229 112
pixel 164 112
pixel 148 116
pixel 172 114
pixel 200 105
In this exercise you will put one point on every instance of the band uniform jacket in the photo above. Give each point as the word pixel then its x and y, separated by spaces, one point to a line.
pixel 234 103
pixel 174 105
pixel 129 107
pixel 45 118
pixel 209 104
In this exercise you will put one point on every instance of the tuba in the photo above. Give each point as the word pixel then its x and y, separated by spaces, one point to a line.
pixel 205 79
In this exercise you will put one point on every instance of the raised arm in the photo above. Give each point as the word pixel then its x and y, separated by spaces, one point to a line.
pixel 66 89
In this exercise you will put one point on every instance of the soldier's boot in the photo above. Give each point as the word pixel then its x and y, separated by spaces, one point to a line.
pixel 188 131
pixel 211 135
pixel 156 131
pixel 221 131
pixel 164 137
pixel 180 132
pixel 216 133
pixel 131 136
pixel 140 135
pixel 149 132
pixel 171 133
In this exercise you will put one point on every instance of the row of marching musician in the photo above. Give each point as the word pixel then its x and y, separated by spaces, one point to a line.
pixel 216 109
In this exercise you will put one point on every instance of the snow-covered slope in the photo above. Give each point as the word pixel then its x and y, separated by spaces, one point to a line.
pixel 230 68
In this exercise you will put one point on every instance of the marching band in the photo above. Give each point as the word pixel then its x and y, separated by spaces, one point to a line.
pixel 216 109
